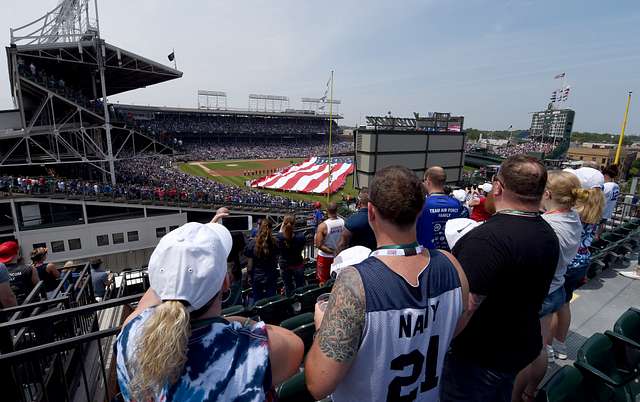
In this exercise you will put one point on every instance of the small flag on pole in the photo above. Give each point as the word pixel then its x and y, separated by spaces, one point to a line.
pixel 561 75
pixel 565 95
pixel 171 56
pixel 553 96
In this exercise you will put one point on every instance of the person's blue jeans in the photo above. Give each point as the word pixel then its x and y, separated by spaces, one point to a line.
pixel 293 278
pixel 573 279
pixel 463 381
pixel 553 302
pixel 262 288
pixel 235 294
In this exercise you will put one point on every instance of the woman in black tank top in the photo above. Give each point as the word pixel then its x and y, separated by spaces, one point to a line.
pixel 48 273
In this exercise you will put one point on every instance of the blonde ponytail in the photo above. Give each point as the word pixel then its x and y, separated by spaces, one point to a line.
pixel 564 188
pixel 589 204
pixel 162 352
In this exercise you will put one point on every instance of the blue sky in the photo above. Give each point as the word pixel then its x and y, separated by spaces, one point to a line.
pixel 492 61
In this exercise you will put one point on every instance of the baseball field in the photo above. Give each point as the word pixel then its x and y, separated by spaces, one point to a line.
pixel 237 172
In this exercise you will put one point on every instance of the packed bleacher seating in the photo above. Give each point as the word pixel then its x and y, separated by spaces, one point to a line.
pixel 151 179
pixel 525 148
pixel 184 123
pixel 203 152
pixel 45 79
pixel 159 178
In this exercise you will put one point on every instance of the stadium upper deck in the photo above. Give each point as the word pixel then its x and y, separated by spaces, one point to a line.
pixel 197 124
pixel 76 63
pixel 145 111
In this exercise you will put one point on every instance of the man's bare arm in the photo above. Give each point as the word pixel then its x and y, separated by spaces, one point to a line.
pixel 320 237
pixel 468 308
pixel 345 239
pixel 338 340
pixel 7 297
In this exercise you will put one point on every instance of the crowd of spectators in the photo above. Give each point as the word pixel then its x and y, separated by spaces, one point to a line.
pixel 58 85
pixel 525 148
pixel 510 149
pixel 160 177
pixel 216 124
pixel 154 178
pixel 241 150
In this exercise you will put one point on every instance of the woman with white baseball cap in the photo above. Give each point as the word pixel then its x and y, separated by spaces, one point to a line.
pixel 175 346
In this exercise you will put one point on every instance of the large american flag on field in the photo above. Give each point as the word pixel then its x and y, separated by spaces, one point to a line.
pixel 309 176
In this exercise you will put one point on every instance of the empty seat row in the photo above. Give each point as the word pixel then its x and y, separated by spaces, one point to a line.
pixel 607 367
pixel 274 310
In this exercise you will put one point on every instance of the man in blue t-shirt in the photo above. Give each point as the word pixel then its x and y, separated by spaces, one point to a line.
pixel 437 210
pixel 357 231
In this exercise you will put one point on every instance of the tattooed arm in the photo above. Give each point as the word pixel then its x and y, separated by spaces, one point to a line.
pixel 337 342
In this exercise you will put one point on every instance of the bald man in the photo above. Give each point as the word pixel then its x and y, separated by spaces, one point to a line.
pixel 437 210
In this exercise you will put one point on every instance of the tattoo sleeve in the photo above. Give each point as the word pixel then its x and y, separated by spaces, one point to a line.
pixel 341 328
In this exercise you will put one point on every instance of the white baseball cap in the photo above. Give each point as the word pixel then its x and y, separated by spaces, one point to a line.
pixel 589 177
pixel 190 263
pixel 487 187
pixel 459 195
pixel 347 257
pixel 454 229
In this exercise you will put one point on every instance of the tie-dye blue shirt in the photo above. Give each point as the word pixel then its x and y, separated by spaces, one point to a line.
pixel 225 362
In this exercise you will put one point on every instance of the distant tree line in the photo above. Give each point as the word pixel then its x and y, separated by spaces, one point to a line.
pixel 579 137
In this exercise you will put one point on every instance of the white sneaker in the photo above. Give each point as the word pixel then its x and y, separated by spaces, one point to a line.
pixel 561 351
pixel 550 356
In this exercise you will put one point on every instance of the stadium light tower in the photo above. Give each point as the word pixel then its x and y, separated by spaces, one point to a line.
pixel 206 99
pixel 70 21
pixel 67 119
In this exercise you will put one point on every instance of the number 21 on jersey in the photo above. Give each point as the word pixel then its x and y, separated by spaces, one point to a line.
pixel 416 360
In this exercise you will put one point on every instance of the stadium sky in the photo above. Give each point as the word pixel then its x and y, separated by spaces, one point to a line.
pixel 492 61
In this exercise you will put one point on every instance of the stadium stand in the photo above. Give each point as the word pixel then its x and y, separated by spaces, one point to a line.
pixel 197 151
pixel 62 346
pixel 190 125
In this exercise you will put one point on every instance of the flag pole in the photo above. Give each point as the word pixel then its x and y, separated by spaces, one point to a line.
pixel 330 127
pixel 624 126
pixel 175 62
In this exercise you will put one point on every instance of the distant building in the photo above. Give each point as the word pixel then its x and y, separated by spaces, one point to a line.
pixel 598 145
pixel 595 156
pixel 599 157
pixel 552 125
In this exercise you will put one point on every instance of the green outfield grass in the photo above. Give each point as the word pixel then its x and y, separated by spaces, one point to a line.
pixel 233 165
pixel 192 170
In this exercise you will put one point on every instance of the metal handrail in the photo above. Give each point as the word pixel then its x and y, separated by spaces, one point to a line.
pixel 56 315
pixel 57 346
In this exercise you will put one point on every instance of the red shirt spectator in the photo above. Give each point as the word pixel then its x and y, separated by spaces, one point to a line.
pixel 480 213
